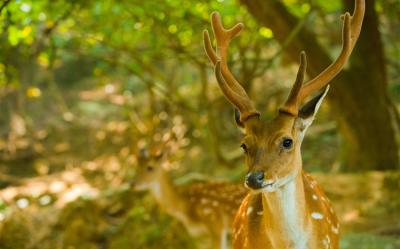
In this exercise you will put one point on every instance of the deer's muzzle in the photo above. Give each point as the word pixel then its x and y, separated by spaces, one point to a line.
pixel 254 180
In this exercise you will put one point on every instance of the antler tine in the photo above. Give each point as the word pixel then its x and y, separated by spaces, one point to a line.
pixel 209 49
pixel 351 31
pixel 356 20
pixel 227 82
pixel 243 103
pixel 223 37
pixel 291 104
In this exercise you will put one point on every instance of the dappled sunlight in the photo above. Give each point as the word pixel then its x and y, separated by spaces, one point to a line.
pixel 64 187
pixel 115 132
pixel 351 216
pixel 109 93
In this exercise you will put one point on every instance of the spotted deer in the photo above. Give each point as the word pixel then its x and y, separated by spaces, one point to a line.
pixel 205 209
pixel 285 207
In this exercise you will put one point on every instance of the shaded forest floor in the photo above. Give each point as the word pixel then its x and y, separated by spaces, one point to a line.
pixel 77 101
pixel 66 185
pixel 73 209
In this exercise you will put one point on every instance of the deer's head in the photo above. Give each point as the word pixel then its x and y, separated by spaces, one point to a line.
pixel 153 162
pixel 149 168
pixel 272 148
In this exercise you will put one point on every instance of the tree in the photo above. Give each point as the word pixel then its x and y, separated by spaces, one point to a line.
pixel 366 117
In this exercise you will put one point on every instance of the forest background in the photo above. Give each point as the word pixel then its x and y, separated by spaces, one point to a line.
pixel 85 85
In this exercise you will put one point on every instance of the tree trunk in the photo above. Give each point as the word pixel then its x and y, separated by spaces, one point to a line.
pixel 366 117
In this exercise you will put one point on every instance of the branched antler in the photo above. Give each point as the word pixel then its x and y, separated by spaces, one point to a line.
pixel 235 93
pixel 350 33
pixel 231 88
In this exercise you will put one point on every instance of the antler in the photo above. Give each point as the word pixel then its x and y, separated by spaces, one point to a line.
pixel 231 88
pixel 291 105
pixel 350 33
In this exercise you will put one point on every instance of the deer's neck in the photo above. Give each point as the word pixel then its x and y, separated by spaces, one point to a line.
pixel 167 196
pixel 284 215
pixel 170 200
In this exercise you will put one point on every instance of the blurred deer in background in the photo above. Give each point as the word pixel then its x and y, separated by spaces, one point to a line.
pixel 205 209
pixel 285 208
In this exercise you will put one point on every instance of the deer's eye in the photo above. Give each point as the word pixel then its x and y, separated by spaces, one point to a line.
pixel 244 148
pixel 149 168
pixel 287 143
pixel 158 155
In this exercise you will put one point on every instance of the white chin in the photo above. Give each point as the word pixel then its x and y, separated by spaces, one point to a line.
pixel 142 187
pixel 269 188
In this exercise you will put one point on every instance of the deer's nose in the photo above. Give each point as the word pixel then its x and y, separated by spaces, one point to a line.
pixel 255 180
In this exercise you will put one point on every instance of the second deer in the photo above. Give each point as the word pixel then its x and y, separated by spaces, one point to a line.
pixel 285 208
pixel 205 209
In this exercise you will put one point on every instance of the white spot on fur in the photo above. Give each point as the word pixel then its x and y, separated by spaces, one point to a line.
pixel 260 213
pixel 239 230
pixel 327 242
pixel 317 216
pixel 315 197
pixel 246 242
pixel 249 210
pixel 335 229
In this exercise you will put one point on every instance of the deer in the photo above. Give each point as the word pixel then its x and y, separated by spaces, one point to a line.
pixel 206 210
pixel 285 207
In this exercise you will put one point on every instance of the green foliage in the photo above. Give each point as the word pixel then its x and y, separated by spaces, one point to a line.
pixel 391 187
pixel 368 241
pixel 84 83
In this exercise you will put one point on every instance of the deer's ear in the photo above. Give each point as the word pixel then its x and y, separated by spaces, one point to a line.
pixel 237 119
pixel 309 110
pixel 143 153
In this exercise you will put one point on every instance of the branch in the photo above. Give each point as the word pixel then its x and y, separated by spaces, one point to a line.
pixel 49 30
pixel 285 26
pixel 286 43
pixel 5 3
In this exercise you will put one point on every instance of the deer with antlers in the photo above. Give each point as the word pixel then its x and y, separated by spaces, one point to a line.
pixel 285 207
pixel 205 209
